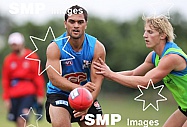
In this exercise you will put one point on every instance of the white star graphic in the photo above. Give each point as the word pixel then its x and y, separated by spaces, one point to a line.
pixel 160 8
pixel 43 40
pixel 27 114
pixel 72 57
pixel 144 101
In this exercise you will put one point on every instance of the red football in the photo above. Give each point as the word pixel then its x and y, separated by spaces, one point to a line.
pixel 80 99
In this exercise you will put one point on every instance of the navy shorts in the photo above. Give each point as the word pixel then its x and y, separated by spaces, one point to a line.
pixel 61 100
pixel 184 112
pixel 18 105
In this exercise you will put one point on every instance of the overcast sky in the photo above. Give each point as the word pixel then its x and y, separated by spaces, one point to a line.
pixel 42 10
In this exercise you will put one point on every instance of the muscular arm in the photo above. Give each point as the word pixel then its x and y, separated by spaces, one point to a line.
pixel 53 60
pixel 156 74
pixel 97 79
pixel 166 65
pixel 142 69
pixel 99 52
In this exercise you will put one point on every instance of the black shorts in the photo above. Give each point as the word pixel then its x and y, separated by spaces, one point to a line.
pixel 61 100
pixel 18 104
pixel 184 112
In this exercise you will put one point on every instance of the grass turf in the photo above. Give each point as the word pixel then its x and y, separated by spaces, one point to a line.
pixel 124 105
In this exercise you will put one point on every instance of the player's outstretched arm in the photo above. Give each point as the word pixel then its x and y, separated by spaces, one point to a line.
pixel 142 69
pixel 54 71
pixel 156 74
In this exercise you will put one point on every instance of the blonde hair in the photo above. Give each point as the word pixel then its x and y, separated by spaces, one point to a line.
pixel 162 25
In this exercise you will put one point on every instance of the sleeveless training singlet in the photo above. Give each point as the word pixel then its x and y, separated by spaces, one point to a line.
pixel 176 81
pixel 75 65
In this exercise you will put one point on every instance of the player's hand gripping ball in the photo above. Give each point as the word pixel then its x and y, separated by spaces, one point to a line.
pixel 80 99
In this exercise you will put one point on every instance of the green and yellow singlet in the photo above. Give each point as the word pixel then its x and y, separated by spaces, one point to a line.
pixel 176 81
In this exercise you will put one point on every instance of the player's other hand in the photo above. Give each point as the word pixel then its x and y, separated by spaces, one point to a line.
pixel 81 114
pixel 102 68
pixel 40 100
pixel 8 104
pixel 90 86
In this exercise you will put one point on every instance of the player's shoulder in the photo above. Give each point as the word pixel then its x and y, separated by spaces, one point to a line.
pixel 52 46
pixel 90 36
pixel 8 57
pixel 32 53
pixel 99 49
pixel 52 50
pixel 150 57
pixel 172 57
pixel 28 51
pixel 99 45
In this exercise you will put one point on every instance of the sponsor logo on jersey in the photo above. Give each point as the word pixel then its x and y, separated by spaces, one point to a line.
pixel 86 64
pixel 61 102
pixel 68 62
pixel 76 77
pixel 13 65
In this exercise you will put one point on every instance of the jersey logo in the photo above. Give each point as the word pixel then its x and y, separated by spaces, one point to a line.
pixel 13 65
pixel 68 62
pixel 86 64
pixel 76 77
pixel 26 64
pixel 61 102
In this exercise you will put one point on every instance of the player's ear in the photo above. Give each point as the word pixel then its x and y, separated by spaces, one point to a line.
pixel 86 24
pixel 65 24
pixel 163 36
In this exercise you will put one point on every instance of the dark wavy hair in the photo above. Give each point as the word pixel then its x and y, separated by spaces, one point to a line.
pixel 76 10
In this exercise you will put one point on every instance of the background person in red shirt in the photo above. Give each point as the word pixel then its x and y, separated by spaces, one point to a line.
pixel 22 85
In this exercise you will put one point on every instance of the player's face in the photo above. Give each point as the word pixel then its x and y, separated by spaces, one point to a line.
pixel 151 36
pixel 16 47
pixel 75 26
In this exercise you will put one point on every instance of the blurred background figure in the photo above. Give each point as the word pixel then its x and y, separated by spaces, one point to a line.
pixel 22 86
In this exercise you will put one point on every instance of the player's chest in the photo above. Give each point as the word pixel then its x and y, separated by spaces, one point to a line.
pixel 19 65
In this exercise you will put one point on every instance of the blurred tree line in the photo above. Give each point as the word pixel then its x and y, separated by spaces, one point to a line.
pixel 124 42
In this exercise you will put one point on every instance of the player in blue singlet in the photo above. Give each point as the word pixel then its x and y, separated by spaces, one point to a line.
pixel 71 56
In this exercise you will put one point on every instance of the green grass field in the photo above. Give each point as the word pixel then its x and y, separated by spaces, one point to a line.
pixel 123 105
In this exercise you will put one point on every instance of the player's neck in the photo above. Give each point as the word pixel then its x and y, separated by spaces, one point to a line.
pixel 20 52
pixel 76 44
pixel 159 48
